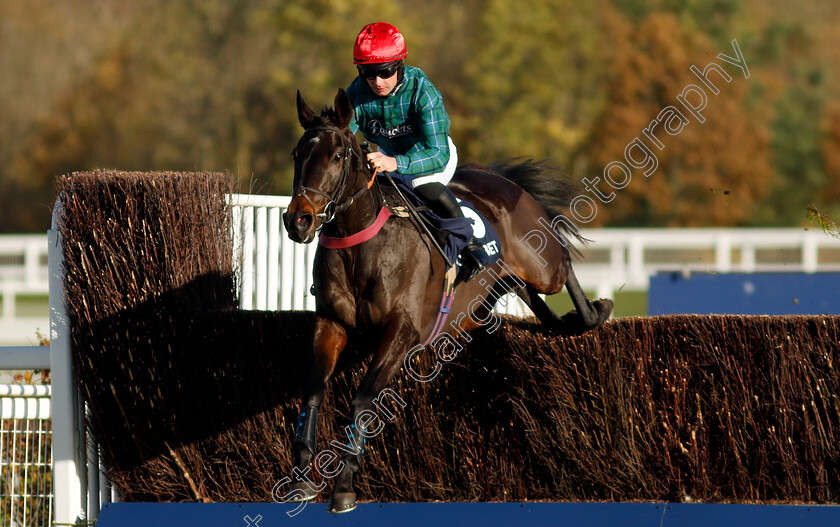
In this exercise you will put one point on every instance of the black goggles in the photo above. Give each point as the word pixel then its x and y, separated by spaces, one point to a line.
pixel 385 72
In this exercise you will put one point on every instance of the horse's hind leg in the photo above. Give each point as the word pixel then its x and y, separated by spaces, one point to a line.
pixel 532 299
pixel 589 314
pixel 530 262
pixel 586 315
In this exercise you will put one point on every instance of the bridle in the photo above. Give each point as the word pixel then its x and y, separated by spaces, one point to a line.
pixel 333 207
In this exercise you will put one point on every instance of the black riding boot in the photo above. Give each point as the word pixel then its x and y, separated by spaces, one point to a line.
pixel 440 199
pixel 443 203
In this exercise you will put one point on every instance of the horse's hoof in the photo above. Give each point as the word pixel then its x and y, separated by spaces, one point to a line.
pixel 303 491
pixel 342 502
pixel 604 307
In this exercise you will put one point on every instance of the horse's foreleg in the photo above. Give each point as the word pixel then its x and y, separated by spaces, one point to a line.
pixel 330 339
pixel 399 335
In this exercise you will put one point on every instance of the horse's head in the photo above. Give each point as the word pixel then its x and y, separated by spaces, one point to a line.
pixel 327 159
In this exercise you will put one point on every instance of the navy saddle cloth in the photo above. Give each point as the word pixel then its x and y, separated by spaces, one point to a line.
pixel 461 230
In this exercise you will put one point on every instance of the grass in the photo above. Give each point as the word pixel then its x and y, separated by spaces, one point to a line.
pixel 31 305
pixel 627 303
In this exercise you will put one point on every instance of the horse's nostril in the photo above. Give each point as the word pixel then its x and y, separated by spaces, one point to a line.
pixel 303 222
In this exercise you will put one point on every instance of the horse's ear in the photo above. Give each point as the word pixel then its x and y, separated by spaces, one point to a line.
pixel 343 108
pixel 305 114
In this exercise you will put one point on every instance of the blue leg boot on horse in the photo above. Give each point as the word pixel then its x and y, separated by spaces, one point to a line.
pixel 306 432
pixel 343 498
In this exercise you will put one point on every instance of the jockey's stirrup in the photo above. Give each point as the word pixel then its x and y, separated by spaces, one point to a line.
pixel 474 259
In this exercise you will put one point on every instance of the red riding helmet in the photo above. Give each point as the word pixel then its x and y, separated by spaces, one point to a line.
pixel 377 43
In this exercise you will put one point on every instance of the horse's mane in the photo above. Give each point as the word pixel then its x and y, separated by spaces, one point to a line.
pixel 328 117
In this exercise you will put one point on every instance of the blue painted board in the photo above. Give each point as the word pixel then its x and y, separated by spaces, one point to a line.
pixel 745 294
pixel 376 514
pixel 464 514
pixel 733 515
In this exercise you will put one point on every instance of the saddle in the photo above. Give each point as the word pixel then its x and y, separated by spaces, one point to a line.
pixel 454 234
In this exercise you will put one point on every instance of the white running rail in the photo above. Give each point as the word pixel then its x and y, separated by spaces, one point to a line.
pixel 276 273
pixel 23 273
pixel 627 258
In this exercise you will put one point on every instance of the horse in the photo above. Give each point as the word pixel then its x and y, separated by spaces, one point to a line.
pixel 388 288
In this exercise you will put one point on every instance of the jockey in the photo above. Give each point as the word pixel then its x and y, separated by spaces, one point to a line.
pixel 399 109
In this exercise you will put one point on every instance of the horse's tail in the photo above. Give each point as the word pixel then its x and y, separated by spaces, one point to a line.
pixel 550 187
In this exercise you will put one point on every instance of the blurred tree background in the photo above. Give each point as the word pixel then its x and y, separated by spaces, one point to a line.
pixel 210 85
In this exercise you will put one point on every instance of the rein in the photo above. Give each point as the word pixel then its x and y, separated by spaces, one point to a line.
pixel 333 207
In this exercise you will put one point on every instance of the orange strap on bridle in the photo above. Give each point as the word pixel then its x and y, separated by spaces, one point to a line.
pixel 375 171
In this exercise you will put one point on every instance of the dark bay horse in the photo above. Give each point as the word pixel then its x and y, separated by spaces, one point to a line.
pixel 389 288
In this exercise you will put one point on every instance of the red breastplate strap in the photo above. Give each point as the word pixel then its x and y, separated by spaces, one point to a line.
pixel 363 235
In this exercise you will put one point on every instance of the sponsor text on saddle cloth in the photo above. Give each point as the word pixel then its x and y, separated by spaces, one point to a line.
pixel 460 230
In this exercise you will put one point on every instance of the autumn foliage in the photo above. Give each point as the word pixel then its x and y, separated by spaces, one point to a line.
pixel 211 86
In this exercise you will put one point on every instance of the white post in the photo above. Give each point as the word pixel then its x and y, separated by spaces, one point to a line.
pixel 31 262
pixel 287 262
pixel 636 260
pixel 299 277
pixel 618 275
pixel 246 299
pixel 809 252
pixel 8 301
pixel 274 234
pixel 236 237
pixel 723 254
pixel 748 257
pixel 617 265
pixel 261 264
pixel 68 452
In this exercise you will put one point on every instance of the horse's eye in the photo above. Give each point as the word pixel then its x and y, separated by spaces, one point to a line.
pixel 337 157
pixel 294 153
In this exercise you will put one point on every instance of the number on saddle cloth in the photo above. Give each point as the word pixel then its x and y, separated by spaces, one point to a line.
pixel 460 230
